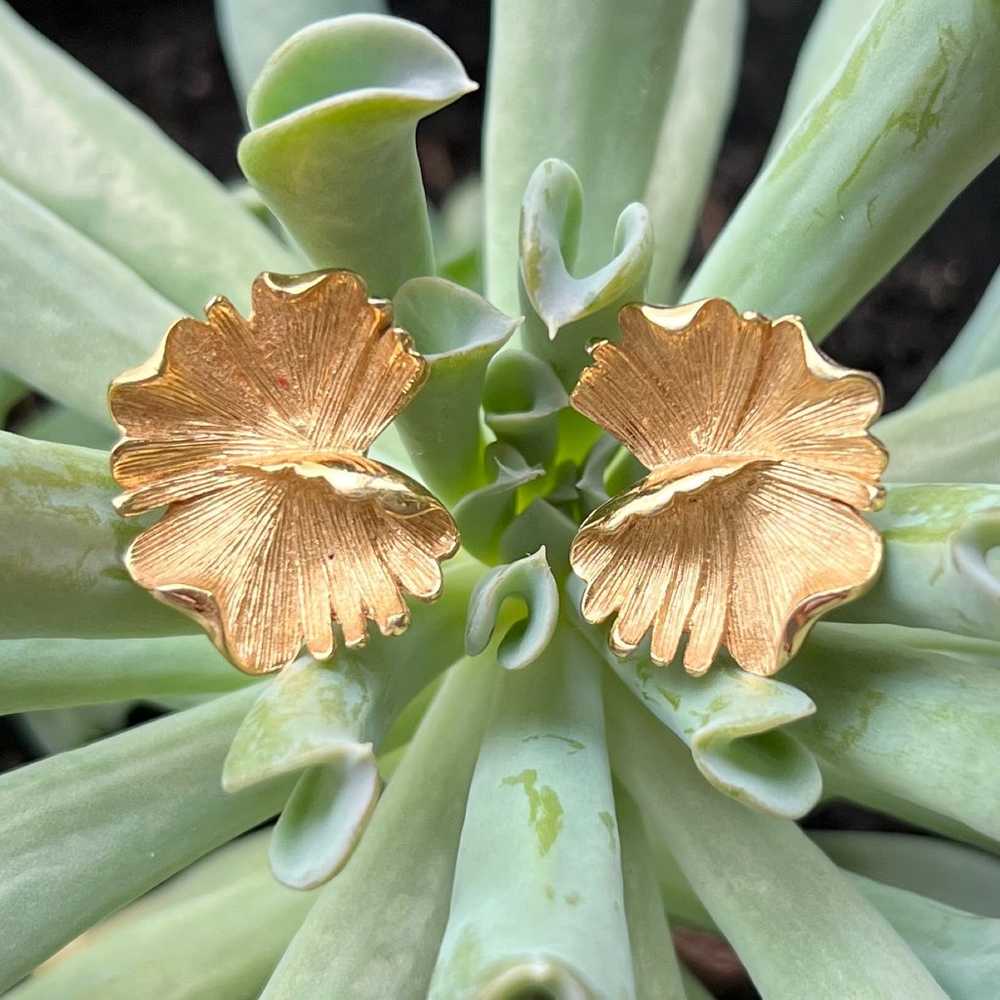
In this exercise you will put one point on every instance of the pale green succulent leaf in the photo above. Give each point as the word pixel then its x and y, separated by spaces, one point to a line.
pixel 403 866
pixel 530 580
pixel 51 672
pixel 250 30
pixel 522 400
pixel 484 514
pixel 959 876
pixel 72 144
pixel 953 436
pixel 538 902
pixel 831 37
pixel 540 524
pixel 12 391
pixel 797 923
pixel 691 135
pixel 188 940
pixel 938 568
pixel 74 316
pixel 458 332
pixel 458 234
pixel 975 352
pixel 331 149
pixel 65 426
pixel 731 721
pixel 909 121
pixel 590 90
pixel 64 821
pixel 61 545
pixel 657 971
pixel 564 312
pixel 911 711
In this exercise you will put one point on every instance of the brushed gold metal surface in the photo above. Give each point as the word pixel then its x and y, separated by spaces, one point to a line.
pixel 746 528
pixel 252 433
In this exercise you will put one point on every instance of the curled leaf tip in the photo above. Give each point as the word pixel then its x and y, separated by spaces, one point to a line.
pixel 530 579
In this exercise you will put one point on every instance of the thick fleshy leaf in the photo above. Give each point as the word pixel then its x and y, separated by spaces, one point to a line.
pixel 657 972
pixel 483 515
pixel 250 30
pixel 691 135
pixel 731 720
pixel 403 866
pixel 538 901
pixel 798 924
pixel 61 544
pixel 74 316
pixel 529 579
pixel 326 723
pixel 976 351
pixel 878 686
pixel 522 400
pixel 565 313
pixel 187 940
pixel 332 150
pixel 12 391
pixel 78 148
pixel 540 524
pixel 909 121
pixel 65 426
pixel 458 234
pixel 939 569
pixel 952 437
pixel 143 805
pixel 959 876
pixel 49 672
pixel 457 332
pixel 831 37
pixel 590 90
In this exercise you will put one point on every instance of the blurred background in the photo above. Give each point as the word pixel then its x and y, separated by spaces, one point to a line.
pixel 165 59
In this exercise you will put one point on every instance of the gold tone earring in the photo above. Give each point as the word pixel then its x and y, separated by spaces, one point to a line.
pixel 746 528
pixel 253 433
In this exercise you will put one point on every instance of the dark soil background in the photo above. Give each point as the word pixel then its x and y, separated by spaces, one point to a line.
pixel 165 58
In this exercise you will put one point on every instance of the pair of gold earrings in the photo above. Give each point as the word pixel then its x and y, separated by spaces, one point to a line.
pixel 253 434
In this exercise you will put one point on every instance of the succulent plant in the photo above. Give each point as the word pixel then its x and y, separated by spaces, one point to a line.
pixel 494 804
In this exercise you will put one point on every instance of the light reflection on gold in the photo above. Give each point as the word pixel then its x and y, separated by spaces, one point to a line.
pixel 746 528
pixel 253 433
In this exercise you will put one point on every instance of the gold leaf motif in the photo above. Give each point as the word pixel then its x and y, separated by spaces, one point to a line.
pixel 253 433
pixel 746 528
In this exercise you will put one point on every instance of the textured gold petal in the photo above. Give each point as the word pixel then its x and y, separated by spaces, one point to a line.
pixel 746 528
pixel 278 554
pixel 252 432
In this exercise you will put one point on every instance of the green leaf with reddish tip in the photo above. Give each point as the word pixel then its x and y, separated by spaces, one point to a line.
pixel 529 579
pixel 910 119
pixel 565 313
pixel 538 900
pixel 939 568
pixel 250 30
pixel 331 148
pixel 79 149
pixel 403 866
pixel 757 874
pixel 458 332
pixel 143 805
pixel 61 545
pixel 731 720
pixel 691 136
pixel 522 400
pixel 74 316
pixel 914 712
pixel 590 90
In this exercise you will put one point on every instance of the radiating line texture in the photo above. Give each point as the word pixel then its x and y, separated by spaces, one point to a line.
pixel 253 432
pixel 747 527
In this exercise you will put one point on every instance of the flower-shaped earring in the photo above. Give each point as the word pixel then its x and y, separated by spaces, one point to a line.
pixel 746 528
pixel 253 433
